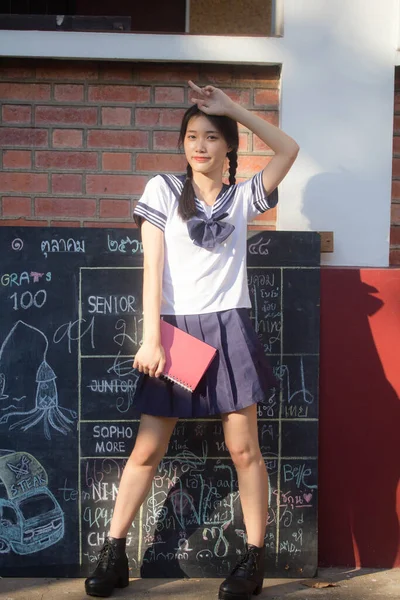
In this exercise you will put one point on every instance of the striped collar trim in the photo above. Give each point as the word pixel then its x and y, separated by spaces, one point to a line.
pixel 225 196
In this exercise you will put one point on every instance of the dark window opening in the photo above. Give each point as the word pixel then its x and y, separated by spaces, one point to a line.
pixel 157 16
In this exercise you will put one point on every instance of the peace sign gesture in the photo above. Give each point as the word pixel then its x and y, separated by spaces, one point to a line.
pixel 211 100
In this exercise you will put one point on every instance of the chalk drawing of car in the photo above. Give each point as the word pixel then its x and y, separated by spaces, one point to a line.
pixel 30 517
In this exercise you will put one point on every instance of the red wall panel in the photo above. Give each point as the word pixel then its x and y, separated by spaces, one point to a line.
pixel 359 505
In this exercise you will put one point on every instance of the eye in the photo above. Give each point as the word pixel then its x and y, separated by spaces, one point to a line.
pixel 190 136
pixel 212 137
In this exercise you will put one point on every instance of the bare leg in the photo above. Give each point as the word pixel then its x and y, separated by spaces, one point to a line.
pixel 150 447
pixel 241 438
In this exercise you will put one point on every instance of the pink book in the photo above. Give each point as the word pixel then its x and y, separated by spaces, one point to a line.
pixel 187 358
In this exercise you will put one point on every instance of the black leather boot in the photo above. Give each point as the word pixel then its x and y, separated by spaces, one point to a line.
pixel 246 578
pixel 111 570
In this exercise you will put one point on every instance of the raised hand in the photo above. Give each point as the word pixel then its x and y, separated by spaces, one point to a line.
pixel 211 100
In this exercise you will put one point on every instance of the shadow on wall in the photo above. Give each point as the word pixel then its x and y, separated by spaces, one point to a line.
pixel 359 420
pixel 325 209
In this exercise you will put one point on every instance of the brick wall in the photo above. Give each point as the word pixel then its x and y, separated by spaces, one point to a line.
pixel 79 140
pixel 395 212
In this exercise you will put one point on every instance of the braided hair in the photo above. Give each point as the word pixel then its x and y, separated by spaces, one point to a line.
pixel 229 130
pixel 233 163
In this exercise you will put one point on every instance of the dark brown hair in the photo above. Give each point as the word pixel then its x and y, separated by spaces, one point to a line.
pixel 228 128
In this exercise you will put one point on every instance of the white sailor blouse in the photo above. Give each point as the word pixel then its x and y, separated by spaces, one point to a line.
pixel 205 257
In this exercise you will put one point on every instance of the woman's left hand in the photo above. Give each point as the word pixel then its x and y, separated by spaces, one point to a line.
pixel 211 100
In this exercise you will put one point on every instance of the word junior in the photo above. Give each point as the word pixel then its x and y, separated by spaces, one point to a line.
pixel 111 305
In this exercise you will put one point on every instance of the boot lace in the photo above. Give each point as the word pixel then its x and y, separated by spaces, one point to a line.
pixel 107 556
pixel 247 564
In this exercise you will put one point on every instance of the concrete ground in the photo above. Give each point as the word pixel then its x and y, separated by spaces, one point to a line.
pixel 352 584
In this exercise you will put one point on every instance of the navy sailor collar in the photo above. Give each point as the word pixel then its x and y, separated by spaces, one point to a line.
pixel 222 201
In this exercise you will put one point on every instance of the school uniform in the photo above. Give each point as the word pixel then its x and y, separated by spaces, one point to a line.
pixel 204 292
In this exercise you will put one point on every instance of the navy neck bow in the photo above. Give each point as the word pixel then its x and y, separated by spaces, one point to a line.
pixel 209 232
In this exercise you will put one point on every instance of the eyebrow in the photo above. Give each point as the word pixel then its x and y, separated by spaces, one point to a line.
pixel 195 131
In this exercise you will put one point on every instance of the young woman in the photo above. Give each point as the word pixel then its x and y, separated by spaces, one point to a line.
pixel 194 241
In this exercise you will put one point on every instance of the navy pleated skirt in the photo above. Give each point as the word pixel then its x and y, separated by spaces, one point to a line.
pixel 239 375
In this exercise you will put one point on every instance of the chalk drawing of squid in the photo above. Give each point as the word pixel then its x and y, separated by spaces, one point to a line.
pixel 46 407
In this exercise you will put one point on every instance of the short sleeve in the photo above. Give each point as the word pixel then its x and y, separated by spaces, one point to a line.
pixel 154 203
pixel 256 197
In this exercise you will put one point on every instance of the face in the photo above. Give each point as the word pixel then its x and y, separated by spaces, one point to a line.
pixel 205 147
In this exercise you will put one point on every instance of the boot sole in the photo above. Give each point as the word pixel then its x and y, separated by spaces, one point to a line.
pixel 229 596
pixel 106 593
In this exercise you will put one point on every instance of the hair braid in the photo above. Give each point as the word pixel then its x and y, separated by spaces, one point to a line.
pixel 233 163
pixel 187 206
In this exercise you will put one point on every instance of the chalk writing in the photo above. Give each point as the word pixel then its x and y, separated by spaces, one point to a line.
pixel 135 246
pixel 62 246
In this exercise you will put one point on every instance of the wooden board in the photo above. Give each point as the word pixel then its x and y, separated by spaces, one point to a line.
pixel 230 17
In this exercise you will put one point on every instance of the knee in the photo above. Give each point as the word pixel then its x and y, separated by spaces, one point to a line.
pixel 244 455
pixel 145 456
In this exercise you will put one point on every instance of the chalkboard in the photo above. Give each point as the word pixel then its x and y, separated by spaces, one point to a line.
pixel 71 322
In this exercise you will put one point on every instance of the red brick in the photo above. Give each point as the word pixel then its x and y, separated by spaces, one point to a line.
pixel 395 213
pixel 64 138
pixel 10 136
pixel 396 124
pixel 56 70
pixel 259 145
pixel 164 117
pixel 65 223
pixel 396 189
pixel 395 235
pixel 115 72
pixel 118 185
pixel 65 114
pixel 161 162
pixel 130 224
pixel 161 72
pixel 394 257
pixel 119 93
pixel 65 207
pixel 117 161
pixel 261 226
pixel 18 113
pixel 17 159
pixel 66 160
pixel 397 102
pixel 24 222
pixel 98 138
pixel 396 167
pixel 249 165
pixel 66 183
pixel 68 92
pixel 243 142
pixel 266 97
pixel 396 144
pixel 14 206
pixel 24 91
pixel 271 116
pixel 239 74
pixel 15 68
pixel 115 209
pixel 116 115
pixel 242 96
pixel 165 140
pixel 169 95
pixel 23 182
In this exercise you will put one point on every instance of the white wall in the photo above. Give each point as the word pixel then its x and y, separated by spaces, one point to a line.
pixel 337 102
pixel 338 61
